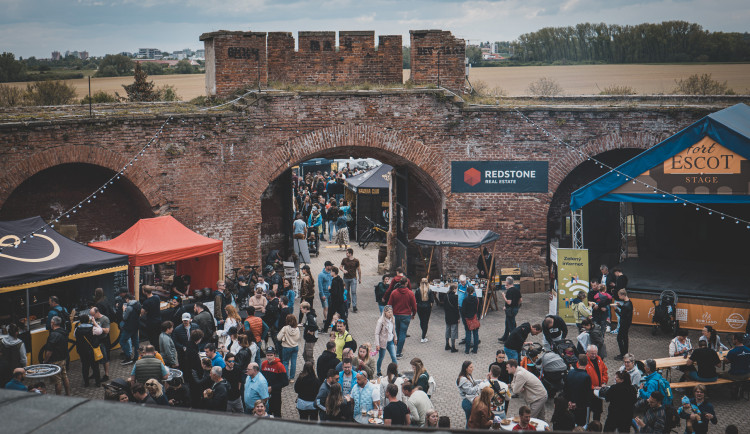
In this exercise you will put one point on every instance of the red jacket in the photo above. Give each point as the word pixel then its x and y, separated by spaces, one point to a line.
pixel 403 301
pixel 391 285
pixel 274 373
pixel 592 372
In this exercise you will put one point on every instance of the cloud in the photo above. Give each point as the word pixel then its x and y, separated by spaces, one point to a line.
pixel 109 26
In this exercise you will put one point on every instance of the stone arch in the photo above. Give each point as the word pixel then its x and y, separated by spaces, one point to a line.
pixel 571 159
pixel 99 156
pixel 384 144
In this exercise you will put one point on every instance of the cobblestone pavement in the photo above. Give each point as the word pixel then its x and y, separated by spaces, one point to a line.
pixel 443 365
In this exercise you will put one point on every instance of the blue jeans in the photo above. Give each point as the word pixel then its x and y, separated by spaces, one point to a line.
pixel 381 307
pixel 126 339
pixel 351 288
pixel 466 405
pixel 469 334
pixel 391 351
pixel 694 376
pixel 510 320
pixel 402 325
pixel 289 360
pixel 331 227
pixel 510 354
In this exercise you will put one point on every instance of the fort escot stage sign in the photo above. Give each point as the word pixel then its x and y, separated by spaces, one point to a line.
pixel 499 176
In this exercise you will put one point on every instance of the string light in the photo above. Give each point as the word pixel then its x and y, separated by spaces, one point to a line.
pixel 601 164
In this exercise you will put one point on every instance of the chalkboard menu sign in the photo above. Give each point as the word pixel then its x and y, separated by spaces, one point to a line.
pixel 120 281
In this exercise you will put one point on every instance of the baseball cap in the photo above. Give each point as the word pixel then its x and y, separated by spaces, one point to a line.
pixel 270 350
pixel 186 316
pixel 241 278
pixel 328 264
pixel 232 331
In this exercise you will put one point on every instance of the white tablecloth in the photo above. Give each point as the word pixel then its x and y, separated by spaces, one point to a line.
pixel 444 290
pixel 541 425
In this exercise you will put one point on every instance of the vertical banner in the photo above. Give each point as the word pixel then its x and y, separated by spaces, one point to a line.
pixel 572 277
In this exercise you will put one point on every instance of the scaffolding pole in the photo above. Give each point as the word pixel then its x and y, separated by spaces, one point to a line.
pixel 577 223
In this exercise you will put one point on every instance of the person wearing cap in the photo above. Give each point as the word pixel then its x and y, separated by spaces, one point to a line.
pixel 324 287
pixel 166 344
pixel 275 373
pixel 181 336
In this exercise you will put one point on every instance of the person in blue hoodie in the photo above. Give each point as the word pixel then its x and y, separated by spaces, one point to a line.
pixel 324 286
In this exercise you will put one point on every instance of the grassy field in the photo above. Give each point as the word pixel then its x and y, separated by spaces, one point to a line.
pixel 575 80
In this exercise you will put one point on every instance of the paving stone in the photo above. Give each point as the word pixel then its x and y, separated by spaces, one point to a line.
pixel 445 366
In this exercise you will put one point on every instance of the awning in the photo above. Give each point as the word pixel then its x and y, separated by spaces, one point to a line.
pixel 160 239
pixel 375 178
pixel 47 257
pixel 454 237
pixel 707 162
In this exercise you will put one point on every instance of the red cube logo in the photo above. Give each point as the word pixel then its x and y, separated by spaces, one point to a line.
pixel 472 177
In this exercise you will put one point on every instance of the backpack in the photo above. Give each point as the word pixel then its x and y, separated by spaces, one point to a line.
pixel 352 345
pixel 64 316
pixel 672 418
pixel 665 390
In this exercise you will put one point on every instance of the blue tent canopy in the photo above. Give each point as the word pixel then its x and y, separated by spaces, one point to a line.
pixel 729 128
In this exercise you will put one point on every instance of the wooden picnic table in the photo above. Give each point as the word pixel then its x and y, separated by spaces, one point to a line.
pixel 668 363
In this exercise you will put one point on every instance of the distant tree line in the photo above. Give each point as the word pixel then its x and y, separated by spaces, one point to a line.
pixel 71 67
pixel 669 41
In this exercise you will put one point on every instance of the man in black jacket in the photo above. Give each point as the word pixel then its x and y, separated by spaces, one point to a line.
pixel 327 360
pixel 215 398
pixel 152 311
pixel 452 316
pixel 578 389
pixel 205 321
pixel 336 302
pixel 517 338
pixel 234 378
pixel 554 329
pixel 625 309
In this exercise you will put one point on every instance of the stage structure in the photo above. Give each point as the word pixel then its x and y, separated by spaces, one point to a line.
pixel 684 220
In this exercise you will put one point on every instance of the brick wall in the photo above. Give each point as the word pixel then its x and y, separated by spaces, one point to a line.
pixel 234 59
pixel 437 57
pixel 211 170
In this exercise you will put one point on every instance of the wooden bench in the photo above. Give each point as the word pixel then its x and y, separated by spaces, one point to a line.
pixel 744 391
pixel 691 384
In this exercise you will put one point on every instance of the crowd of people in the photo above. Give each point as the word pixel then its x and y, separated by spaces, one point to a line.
pixel 239 356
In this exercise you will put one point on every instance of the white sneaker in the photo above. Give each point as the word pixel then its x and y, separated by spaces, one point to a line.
pixel 424 340
pixel 609 329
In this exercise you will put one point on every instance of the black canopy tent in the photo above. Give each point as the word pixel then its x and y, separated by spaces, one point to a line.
pixel 464 238
pixel 47 257
pixel 372 196
pixel 33 255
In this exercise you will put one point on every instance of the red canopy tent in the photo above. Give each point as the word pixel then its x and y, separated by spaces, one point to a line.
pixel 164 239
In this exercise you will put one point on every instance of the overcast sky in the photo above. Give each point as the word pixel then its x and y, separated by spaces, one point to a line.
pixel 38 27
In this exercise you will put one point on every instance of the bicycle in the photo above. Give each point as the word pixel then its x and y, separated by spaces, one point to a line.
pixel 374 233
pixel 233 282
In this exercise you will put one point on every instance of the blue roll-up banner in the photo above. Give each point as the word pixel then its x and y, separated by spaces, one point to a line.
pixel 499 176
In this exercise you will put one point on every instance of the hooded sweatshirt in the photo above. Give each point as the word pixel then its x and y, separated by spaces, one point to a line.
pixel 14 344
pixel 403 301
pixel 275 374
pixel 289 336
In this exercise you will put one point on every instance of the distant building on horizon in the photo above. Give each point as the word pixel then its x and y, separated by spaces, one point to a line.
pixel 56 55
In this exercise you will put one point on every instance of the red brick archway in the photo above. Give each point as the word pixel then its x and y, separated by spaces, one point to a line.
pixel 27 168
pixel 389 146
